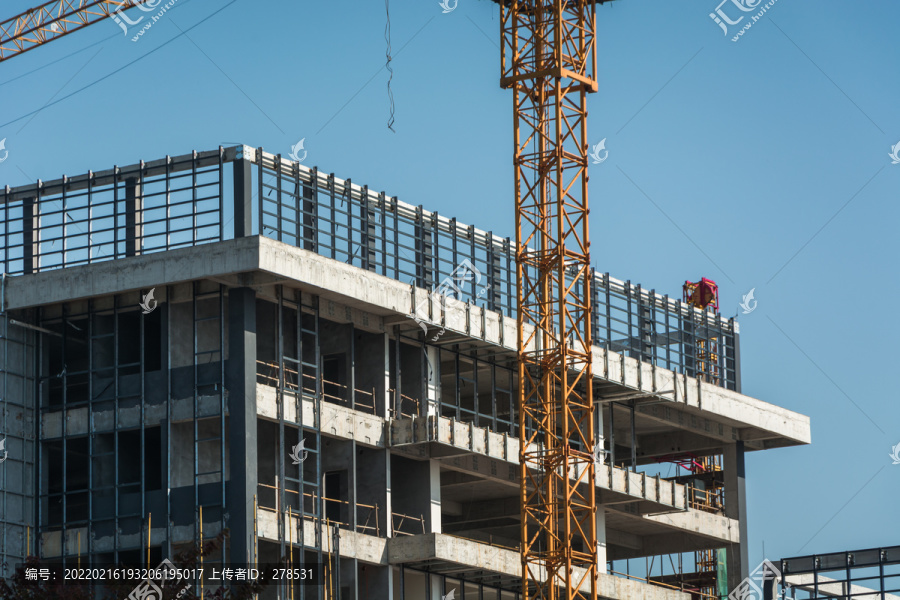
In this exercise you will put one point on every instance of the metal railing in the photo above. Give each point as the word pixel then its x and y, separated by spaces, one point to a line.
pixel 193 199
pixel 366 514
pixel 403 406
pixel 711 501
pixel 865 574
pixel 402 524
pixel 269 374
pixel 367 522
pixel 268 498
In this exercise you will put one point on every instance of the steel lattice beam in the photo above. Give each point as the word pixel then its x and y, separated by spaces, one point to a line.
pixel 55 19
pixel 548 59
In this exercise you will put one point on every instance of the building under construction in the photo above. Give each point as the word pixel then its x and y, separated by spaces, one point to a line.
pixel 870 574
pixel 229 340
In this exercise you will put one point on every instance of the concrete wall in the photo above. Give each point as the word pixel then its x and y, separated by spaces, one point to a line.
pixel 337 475
pixel 181 323
pixel 209 459
pixel 370 367
pixel 371 488
pixel 375 582
pixel 267 461
pixel 414 493
pixel 412 383
pixel 335 339
pixel 415 585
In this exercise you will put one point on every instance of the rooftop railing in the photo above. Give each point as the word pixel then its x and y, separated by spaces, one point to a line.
pixel 199 198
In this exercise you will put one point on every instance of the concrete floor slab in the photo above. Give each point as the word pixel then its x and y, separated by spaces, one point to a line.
pixel 381 301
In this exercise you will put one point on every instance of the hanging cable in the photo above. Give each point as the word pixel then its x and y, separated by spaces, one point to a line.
pixel 387 38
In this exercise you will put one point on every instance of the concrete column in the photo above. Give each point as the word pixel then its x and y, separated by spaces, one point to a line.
pixel 601 540
pixel 240 381
pixel 432 378
pixel 388 502
pixel 388 396
pixel 434 580
pixel 599 436
pixel 599 430
pixel 737 561
pixel 434 485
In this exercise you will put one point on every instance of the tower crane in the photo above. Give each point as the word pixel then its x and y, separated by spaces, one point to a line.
pixel 548 60
pixel 55 19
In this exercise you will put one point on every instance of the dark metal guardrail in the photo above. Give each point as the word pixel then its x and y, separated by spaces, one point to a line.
pixel 870 574
pixel 196 199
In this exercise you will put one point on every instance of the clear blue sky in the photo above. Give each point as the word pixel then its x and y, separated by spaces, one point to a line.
pixel 761 163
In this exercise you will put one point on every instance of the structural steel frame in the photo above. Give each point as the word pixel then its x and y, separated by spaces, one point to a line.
pixel 17 419
pixel 859 574
pixel 106 389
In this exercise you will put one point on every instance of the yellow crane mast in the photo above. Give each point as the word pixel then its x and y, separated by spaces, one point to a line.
pixel 548 59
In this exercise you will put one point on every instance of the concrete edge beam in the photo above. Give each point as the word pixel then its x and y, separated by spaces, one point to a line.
pixel 388 298
pixel 714 527
pixel 435 434
pixel 447 548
